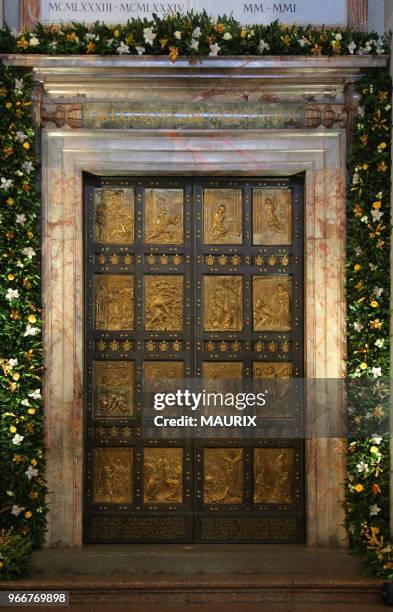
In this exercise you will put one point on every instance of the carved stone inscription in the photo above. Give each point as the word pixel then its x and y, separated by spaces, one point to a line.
pixel 163 302
pixel 273 475
pixel 119 529
pixel 113 388
pixel 114 302
pixel 223 216
pixel 272 303
pixel 222 303
pixel 247 529
pixel 113 475
pixel 164 216
pixel 272 216
pixel 223 475
pixel 163 475
pixel 114 216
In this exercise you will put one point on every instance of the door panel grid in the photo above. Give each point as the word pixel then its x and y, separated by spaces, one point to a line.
pixel 188 278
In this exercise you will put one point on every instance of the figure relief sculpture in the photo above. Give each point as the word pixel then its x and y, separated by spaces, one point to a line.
pixel 223 216
pixel 113 388
pixel 114 216
pixel 164 302
pixel 163 475
pixel 223 303
pixel 272 303
pixel 272 216
pixel 164 213
pixel 275 382
pixel 273 475
pixel 223 475
pixel 114 302
pixel 113 475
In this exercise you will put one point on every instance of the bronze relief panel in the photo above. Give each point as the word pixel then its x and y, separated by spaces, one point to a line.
pixel 276 378
pixel 222 370
pixel 114 216
pixel 223 475
pixel 273 475
pixel 272 303
pixel 113 389
pixel 114 302
pixel 223 216
pixel 164 302
pixel 164 216
pixel 113 475
pixel 163 475
pixel 272 216
pixel 223 303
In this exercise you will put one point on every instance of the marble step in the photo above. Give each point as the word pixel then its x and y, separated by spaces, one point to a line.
pixel 198 559
pixel 168 592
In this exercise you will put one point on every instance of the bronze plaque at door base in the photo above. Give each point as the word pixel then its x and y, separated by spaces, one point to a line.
pixel 223 303
pixel 163 302
pixel 113 475
pixel 163 475
pixel 193 284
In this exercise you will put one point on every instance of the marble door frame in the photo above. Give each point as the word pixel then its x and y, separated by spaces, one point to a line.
pixel 66 154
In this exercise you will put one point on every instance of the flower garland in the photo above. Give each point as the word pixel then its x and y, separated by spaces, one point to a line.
pixel 368 290
pixel 191 35
pixel 22 488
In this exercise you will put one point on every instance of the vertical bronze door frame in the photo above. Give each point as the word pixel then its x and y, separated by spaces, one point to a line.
pixel 131 260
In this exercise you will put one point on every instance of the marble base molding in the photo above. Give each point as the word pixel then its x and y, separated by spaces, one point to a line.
pixel 66 154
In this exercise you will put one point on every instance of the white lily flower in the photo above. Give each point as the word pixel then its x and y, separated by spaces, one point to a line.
pixel 17 439
pixel 16 510
pixel 122 49
pixel 31 472
pixel 31 331
pixel 12 294
pixel 36 394
pixel 214 50
pixel 28 252
pixel 149 36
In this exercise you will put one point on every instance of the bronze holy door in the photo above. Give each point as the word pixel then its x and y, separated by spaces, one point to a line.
pixel 189 278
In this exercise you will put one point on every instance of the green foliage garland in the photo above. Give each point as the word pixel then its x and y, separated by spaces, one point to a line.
pixel 191 35
pixel 368 292
pixel 22 488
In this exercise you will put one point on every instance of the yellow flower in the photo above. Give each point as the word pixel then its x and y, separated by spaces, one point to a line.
pixel 382 167
pixel 358 488
pixel 365 166
pixel 10 276
pixel 31 318
pixel 31 411
pixel 29 234
pixel 16 376
pixel 373 303
pixel 357 267
pixel 374 450
pixel 220 28
pixel 1 565
pixel 26 145
pixel 90 47
pixel 72 37
pixel 376 204
pixel 22 43
pixel 13 429
pixel 173 53
pixel 10 201
pixel 116 33
pixel 382 146
pixel 8 105
pixel 163 42
pixel 243 33
pixel 129 39
pixel 33 462
pixel 286 40
pixel 363 365
pixel 28 514
pixel 376 324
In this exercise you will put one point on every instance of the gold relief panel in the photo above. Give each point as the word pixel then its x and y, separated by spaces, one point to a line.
pixel 163 302
pixel 223 476
pixel 223 303
pixel 112 475
pixel 114 302
pixel 222 370
pixel 223 216
pixel 272 216
pixel 272 303
pixel 113 388
pixel 164 216
pixel 163 475
pixel 272 370
pixel 276 385
pixel 273 475
pixel 158 371
pixel 114 216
